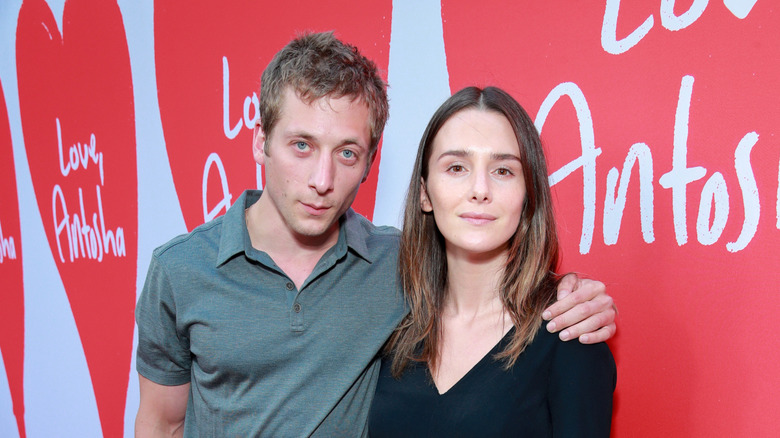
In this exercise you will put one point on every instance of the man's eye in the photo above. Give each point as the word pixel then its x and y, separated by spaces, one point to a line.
pixel 347 153
pixel 301 145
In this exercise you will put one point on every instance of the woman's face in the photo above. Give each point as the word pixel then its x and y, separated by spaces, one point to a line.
pixel 475 186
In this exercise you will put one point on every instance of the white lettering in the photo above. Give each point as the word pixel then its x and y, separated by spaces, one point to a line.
pixel 750 200
pixel 115 241
pixel 678 22
pixel 714 203
pixel 609 41
pixel 7 247
pixel 681 175
pixel 587 161
pixel 230 133
pixel 74 236
pixel 615 203
pixel 249 102
pixel 56 195
pixel 250 122
pixel 84 240
pixel 714 192
pixel 83 233
pixel 670 21
pixel 79 154
pixel 223 203
pixel 65 170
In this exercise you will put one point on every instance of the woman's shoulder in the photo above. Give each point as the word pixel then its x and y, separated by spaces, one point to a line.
pixel 579 385
pixel 573 351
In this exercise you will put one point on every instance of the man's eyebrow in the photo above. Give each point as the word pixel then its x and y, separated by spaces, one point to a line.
pixel 312 138
pixel 352 141
pixel 300 134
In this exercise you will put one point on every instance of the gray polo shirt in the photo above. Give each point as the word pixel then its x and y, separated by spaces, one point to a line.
pixel 262 357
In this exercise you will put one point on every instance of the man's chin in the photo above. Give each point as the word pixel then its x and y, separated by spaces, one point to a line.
pixel 321 227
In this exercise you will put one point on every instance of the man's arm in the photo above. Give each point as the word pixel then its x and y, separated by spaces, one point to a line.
pixel 583 310
pixel 162 408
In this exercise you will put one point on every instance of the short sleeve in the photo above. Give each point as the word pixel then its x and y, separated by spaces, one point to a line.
pixel 582 382
pixel 163 354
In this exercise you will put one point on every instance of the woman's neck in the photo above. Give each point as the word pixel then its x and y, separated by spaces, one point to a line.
pixel 473 285
pixel 473 318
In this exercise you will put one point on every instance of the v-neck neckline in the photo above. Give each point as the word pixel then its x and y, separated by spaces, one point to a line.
pixel 488 356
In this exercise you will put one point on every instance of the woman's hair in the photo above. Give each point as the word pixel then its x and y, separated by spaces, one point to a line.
pixel 529 279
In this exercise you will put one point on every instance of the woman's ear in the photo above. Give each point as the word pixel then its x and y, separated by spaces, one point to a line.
pixel 425 203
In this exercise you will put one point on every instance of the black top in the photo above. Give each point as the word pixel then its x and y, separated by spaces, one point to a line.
pixel 556 388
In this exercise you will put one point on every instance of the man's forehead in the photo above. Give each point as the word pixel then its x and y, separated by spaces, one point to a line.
pixel 310 98
pixel 293 101
pixel 296 116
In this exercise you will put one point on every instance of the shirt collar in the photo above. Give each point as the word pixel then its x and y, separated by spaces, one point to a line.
pixel 235 235
pixel 355 229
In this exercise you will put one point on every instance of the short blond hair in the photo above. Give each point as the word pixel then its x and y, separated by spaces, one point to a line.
pixel 317 65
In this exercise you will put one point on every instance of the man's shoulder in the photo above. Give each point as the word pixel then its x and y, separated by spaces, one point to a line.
pixel 355 219
pixel 377 239
pixel 204 236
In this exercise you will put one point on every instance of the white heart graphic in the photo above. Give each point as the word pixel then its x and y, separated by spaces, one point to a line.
pixel 740 8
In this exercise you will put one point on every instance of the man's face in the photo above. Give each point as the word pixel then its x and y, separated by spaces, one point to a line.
pixel 315 159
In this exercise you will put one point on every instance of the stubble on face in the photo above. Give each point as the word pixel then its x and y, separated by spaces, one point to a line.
pixel 318 157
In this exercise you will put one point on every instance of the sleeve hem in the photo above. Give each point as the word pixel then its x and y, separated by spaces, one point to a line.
pixel 163 378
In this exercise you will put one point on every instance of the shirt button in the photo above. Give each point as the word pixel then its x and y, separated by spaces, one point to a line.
pixel 297 308
pixel 289 285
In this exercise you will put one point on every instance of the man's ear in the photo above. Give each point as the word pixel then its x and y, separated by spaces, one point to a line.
pixel 258 144
pixel 425 203
pixel 368 166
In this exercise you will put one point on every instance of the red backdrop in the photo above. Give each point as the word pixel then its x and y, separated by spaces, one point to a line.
pixel 696 355
pixel 208 79
pixel 660 120
pixel 76 105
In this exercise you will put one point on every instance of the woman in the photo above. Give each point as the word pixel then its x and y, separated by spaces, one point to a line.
pixel 478 257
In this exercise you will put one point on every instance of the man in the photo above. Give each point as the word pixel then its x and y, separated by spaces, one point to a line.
pixel 268 320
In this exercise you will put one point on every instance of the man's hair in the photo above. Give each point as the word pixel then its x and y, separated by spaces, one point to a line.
pixel 529 277
pixel 317 65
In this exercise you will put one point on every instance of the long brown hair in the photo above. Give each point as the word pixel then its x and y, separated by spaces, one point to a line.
pixel 529 278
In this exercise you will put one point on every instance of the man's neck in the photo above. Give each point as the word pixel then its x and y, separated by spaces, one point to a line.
pixel 296 255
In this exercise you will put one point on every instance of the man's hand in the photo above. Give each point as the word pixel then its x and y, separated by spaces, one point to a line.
pixel 583 310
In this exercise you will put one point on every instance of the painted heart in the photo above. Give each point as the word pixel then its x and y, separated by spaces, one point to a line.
pixel 76 105
pixel 530 49
pixel 740 8
pixel 209 60
pixel 12 310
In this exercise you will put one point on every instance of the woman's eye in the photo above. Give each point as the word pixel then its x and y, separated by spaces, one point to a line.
pixel 503 172
pixel 456 168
